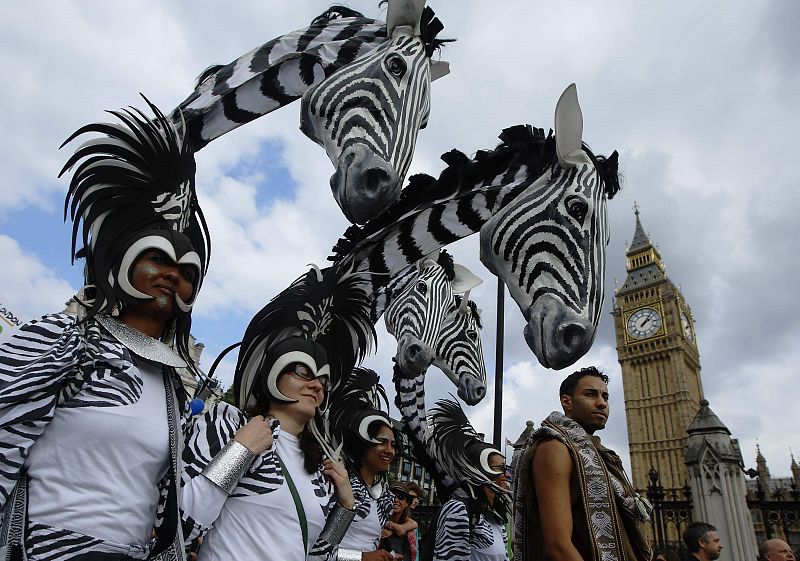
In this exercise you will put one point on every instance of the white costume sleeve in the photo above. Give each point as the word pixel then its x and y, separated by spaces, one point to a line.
pixel 202 500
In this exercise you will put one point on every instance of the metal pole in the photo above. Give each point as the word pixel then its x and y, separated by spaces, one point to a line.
pixel 498 362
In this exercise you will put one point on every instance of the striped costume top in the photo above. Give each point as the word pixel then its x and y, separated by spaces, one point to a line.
pixel 259 512
pixel 459 539
pixel 56 363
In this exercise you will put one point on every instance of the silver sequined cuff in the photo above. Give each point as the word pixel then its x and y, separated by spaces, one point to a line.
pixel 348 555
pixel 337 523
pixel 229 465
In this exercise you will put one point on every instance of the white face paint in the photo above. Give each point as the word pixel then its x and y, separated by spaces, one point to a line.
pixel 141 246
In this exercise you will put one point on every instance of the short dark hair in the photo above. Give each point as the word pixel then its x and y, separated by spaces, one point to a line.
pixel 415 488
pixel 571 382
pixel 694 532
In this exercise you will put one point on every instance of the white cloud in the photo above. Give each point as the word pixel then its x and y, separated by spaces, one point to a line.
pixel 697 99
pixel 27 284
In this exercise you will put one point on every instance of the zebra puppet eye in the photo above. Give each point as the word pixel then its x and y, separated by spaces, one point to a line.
pixel 421 287
pixel 576 208
pixel 472 335
pixel 396 65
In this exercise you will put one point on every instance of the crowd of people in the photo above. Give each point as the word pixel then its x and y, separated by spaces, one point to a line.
pixel 102 459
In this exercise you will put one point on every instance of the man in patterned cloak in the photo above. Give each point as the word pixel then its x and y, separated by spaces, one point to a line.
pixel 572 499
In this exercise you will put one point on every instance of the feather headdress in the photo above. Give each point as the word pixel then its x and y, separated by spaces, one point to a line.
pixel 324 313
pixel 133 189
pixel 462 452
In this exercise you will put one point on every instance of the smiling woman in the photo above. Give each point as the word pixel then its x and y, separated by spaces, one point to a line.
pixel 77 394
pixel 261 482
pixel 370 443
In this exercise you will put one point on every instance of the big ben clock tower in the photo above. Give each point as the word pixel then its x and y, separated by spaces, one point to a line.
pixel 657 351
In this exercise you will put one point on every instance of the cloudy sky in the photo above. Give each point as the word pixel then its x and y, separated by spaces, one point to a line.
pixel 699 99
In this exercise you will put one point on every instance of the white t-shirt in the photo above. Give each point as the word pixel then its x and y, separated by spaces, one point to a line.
pixel 95 470
pixel 364 534
pixel 496 551
pixel 264 527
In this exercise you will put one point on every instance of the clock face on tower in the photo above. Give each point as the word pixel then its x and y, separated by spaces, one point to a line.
pixel 686 324
pixel 644 323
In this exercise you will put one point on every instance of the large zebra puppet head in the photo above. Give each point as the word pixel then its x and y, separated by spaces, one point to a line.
pixel 551 243
pixel 433 324
pixel 368 114
pixel 547 242
pixel 367 94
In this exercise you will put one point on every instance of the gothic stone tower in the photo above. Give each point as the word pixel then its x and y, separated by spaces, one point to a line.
pixel 657 351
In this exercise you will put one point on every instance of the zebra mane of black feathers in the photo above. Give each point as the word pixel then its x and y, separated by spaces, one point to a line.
pixel 521 143
pixel 473 310
pixel 608 170
pixel 337 11
pixel 452 437
pixel 328 306
pixel 429 27
pixel 446 262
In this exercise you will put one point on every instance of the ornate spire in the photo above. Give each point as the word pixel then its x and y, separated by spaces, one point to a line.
pixel 795 469
pixel 644 262
pixel 761 464
pixel 641 241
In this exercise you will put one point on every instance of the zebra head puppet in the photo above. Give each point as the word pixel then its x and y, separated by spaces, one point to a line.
pixel 522 251
pixel 321 321
pixel 550 245
pixel 431 326
pixel 459 351
pixel 133 191
pixel 463 455
pixel 367 115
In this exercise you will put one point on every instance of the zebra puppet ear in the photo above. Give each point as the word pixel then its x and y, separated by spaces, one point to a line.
pixel 439 69
pixel 404 14
pixel 569 129
pixel 464 280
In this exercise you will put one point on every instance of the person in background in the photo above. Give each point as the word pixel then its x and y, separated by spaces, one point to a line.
pixel 666 554
pixel 394 537
pixel 776 550
pixel 369 443
pixel 416 493
pixel 471 524
pixel 702 541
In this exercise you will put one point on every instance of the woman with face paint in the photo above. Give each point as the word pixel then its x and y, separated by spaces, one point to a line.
pixel 471 524
pixel 91 407
pixel 261 482
pixel 370 443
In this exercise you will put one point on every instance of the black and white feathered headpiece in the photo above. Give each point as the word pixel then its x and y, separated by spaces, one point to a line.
pixel 321 320
pixel 357 407
pixel 133 190
pixel 462 452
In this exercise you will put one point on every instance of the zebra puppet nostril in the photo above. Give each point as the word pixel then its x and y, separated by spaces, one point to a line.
pixel 376 179
pixel 414 350
pixel 573 336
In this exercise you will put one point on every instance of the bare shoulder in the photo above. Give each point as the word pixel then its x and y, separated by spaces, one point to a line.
pixel 551 458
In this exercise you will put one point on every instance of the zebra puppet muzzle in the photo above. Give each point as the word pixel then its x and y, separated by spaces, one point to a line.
pixel 549 246
pixel 368 114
